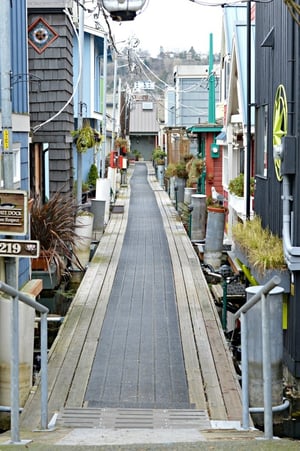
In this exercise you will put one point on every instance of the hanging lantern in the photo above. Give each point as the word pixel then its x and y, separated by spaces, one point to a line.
pixel 121 10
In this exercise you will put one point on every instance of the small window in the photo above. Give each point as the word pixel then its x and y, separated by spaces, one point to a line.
pixel 262 140
pixel 147 105
pixel 16 165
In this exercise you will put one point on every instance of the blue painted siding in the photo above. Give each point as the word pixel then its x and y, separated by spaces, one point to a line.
pixel 19 57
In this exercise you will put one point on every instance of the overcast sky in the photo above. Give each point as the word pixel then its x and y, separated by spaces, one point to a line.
pixel 173 25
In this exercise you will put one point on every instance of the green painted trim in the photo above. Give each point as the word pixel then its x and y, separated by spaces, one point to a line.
pixel 204 128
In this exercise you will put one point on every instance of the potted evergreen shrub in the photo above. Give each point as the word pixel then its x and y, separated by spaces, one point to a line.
pixel 92 178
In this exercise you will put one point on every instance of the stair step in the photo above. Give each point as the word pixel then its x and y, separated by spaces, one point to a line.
pixel 109 418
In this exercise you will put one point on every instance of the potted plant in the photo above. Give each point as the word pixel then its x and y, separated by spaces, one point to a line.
pixel 260 250
pixel 86 137
pixel 92 178
pixel 181 171
pixel 236 186
pixel 159 156
pixel 236 192
pixel 137 154
pixel 122 144
pixel 194 167
pixel 52 224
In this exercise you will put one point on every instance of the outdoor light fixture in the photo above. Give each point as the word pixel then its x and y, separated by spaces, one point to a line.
pixel 214 150
pixel 121 10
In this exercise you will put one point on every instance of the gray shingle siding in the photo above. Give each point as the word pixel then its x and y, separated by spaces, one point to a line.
pixel 54 67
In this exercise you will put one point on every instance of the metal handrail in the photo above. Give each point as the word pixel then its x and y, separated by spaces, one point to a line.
pixel 19 296
pixel 266 361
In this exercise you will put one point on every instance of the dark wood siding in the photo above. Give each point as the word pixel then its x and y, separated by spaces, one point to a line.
pixel 279 64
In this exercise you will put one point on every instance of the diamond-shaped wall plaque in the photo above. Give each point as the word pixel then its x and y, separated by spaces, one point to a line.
pixel 41 35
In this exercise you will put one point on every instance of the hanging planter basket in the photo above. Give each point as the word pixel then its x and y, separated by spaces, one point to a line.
pixel 85 138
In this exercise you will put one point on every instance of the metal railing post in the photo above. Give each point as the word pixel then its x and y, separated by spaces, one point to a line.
pixel 245 373
pixel 44 371
pixel 14 369
pixel 267 370
pixel 266 356
pixel 18 296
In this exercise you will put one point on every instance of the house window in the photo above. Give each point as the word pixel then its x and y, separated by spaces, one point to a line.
pixel 147 105
pixel 16 166
pixel 262 141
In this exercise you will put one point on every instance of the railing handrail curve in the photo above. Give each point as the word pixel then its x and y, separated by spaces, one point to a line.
pixel 15 360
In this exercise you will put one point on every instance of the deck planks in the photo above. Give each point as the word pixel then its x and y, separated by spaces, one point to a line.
pixel 212 382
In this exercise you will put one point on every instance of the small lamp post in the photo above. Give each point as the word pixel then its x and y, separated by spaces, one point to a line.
pixel 121 10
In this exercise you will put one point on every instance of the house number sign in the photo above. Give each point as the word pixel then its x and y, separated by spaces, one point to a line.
pixel 19 248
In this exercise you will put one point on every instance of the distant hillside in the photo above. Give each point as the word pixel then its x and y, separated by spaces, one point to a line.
pixel 142 67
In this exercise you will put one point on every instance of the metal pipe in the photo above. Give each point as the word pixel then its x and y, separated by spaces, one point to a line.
pixel 245 373
pixel 23 297
pixel 80 98
pixel 266 356
pixel 44 372
pixel 8 409
pixel 267 368
pixel 114 103
pixel 15 408
pixel 248 167
pixel 14 371
pixel 291 253
pixel 275 409
pixel 104 105
pixel 55 319
pixel 224 310
pixel 272 283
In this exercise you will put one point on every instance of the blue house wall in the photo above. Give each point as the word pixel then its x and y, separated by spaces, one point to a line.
pixel 92 91
pixel 20 108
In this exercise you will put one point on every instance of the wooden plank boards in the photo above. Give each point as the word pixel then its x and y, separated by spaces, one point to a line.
pixel 218 375
pixel 71 356
pixel 213 385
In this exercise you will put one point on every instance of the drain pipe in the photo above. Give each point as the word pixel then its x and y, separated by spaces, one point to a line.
pixel 291 253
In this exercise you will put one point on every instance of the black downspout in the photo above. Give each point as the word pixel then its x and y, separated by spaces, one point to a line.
pixel 248 172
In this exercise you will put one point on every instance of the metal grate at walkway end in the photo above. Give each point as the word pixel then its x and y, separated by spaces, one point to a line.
pixel 108 418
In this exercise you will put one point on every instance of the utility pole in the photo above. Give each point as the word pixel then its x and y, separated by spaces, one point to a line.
pixel 6 107
pixel 114 103
pixel 80 99
pixel 104 106
pixel 211 84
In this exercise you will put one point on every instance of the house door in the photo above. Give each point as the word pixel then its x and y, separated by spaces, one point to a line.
pixel 39 170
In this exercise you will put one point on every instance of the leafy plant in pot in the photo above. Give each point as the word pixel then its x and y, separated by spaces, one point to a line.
pixel 159 156
pixel 236 186
pixel 52 224
pixel 86 137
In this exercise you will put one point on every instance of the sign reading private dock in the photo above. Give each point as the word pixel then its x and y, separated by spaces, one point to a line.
pixel 13 212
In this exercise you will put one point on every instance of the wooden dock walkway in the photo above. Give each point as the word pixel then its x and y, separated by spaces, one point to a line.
pixel 212 381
